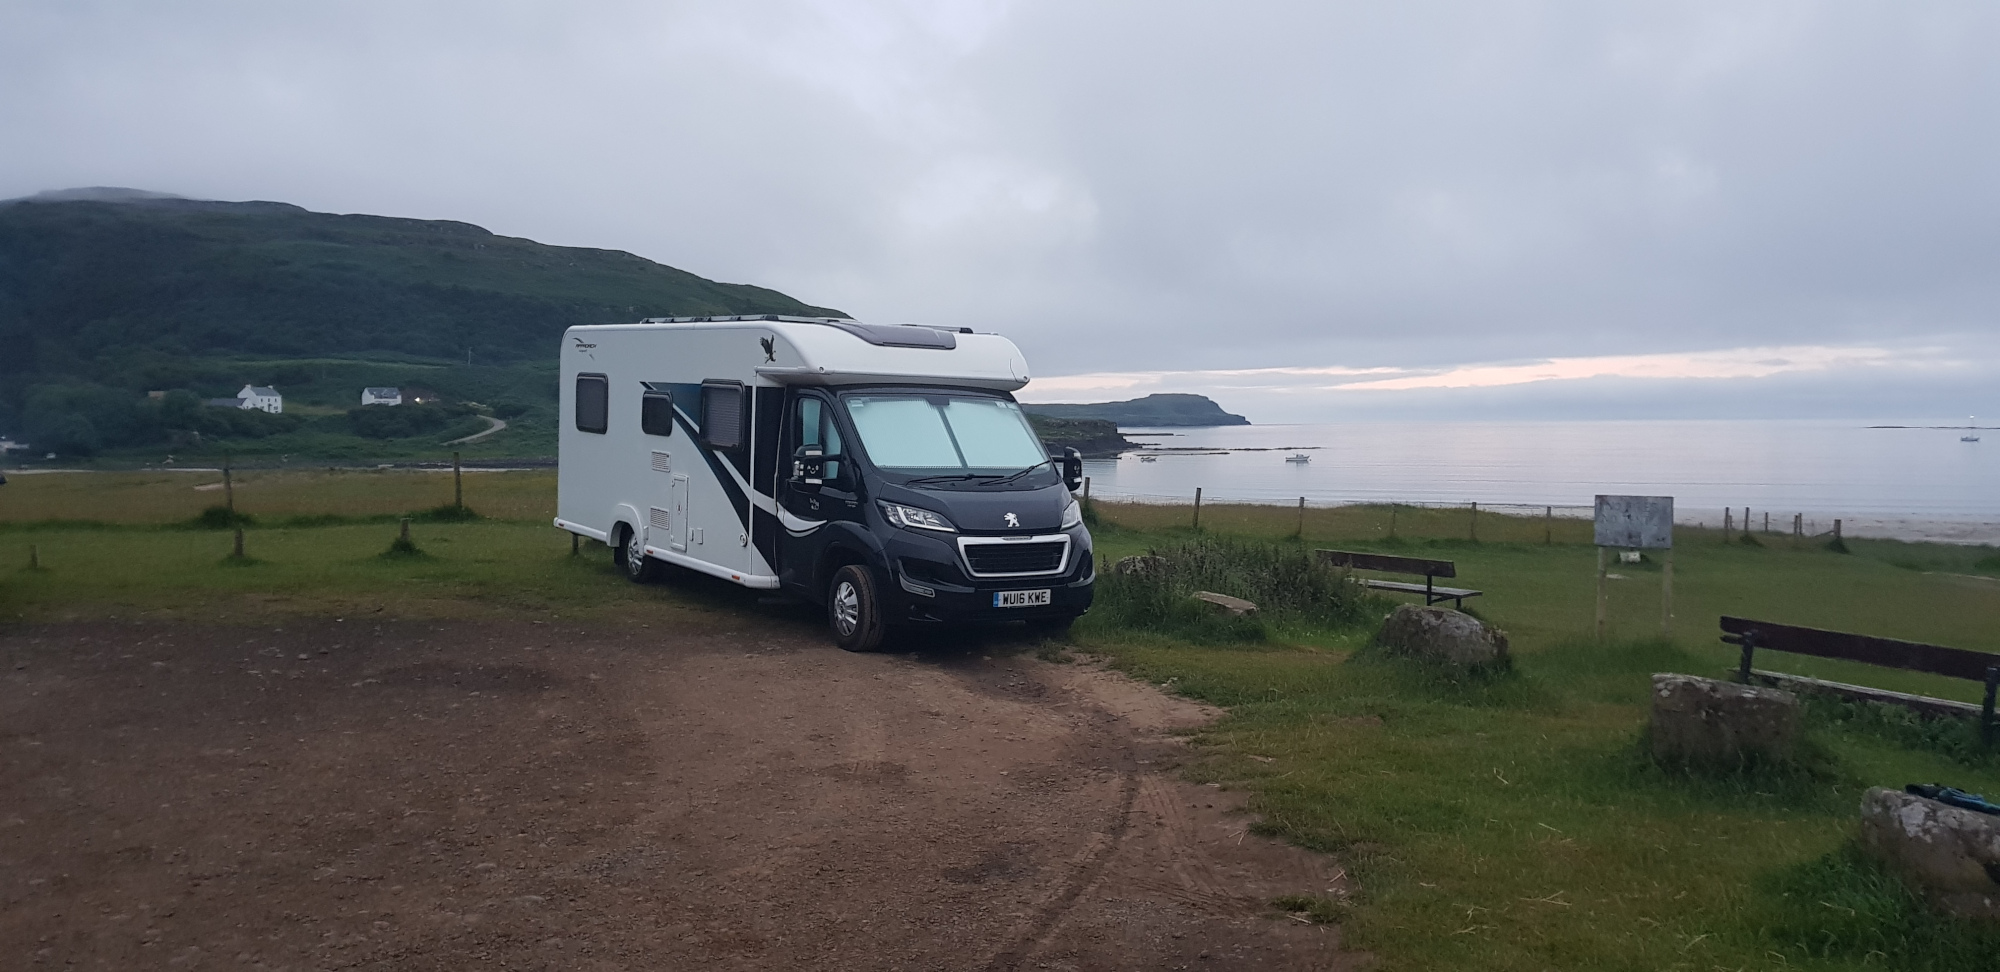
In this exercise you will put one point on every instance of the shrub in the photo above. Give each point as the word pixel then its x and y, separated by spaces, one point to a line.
pixel 221 518
pixel 1288 585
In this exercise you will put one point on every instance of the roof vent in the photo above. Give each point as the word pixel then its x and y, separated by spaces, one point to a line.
pixel 899 335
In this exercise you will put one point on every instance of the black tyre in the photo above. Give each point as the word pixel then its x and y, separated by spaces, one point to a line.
pixel 629 553
pixel 853 610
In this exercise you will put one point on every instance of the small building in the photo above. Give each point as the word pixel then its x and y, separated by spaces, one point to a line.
pixel 263 398
pixel 381 396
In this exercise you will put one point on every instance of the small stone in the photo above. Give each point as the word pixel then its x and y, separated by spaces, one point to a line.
pixel 1443 635
pixel 1146 566
pixel 1717 723
pixel 1949 854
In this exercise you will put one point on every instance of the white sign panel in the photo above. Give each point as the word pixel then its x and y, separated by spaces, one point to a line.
pixel 1641 522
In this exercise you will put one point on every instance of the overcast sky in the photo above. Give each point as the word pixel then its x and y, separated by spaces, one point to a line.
pixel 1310 210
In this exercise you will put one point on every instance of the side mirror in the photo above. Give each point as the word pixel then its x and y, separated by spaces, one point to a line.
pixel 1072 468
pixel 809 466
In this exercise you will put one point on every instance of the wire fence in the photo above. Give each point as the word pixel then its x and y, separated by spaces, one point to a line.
pixel 1734 520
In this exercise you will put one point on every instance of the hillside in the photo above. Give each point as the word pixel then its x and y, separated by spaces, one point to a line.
pixel 108 294
pixel 1092 437
pixel 1152 411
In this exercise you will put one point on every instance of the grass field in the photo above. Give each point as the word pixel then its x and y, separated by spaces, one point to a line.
pixel 1495 823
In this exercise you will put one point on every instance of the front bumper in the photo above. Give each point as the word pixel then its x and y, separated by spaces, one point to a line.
pixel 929 583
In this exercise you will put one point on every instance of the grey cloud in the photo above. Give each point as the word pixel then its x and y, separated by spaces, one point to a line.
pixel 1118 185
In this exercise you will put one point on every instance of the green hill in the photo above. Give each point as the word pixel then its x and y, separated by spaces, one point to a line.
pixel 1152 411
pixel 106 295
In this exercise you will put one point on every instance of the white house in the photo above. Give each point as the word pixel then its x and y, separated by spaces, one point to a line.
pixel 381 396
pixel 261 397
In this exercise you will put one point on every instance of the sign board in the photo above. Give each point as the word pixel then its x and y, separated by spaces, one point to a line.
pixel 1642 522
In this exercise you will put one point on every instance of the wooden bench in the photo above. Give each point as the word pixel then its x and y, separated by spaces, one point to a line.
pixel 1430 569
pixel 1910 656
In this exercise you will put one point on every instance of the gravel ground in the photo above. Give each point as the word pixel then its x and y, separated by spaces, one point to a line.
pixel 526 795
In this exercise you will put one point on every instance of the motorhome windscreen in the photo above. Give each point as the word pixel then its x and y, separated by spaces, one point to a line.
pixel 940 433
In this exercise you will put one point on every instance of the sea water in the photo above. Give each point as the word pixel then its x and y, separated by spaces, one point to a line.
pixel 1912 483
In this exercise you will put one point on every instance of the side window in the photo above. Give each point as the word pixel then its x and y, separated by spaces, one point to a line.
pixel 593 403
pixel 656 413
pixel 815 428
pixel 722 415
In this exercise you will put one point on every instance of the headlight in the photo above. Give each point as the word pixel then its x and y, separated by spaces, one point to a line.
pixel 1072 514
pixel 913 518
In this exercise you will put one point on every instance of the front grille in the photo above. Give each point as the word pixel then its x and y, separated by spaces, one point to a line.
pixel 989 559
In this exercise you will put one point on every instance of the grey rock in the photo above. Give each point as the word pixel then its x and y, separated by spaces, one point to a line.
pixel 1234 605
pixel 1443 635
pixel 1712 722
pixel 1950 855
pixel 1149 567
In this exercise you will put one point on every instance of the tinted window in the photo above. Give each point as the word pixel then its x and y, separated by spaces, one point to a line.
pixel 722 415
pixel 593 403
pixel 656 413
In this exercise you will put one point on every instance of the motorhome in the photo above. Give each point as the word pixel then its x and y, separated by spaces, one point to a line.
pixel 882 471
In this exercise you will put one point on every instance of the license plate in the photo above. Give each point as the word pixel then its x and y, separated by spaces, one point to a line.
pixel 1020 598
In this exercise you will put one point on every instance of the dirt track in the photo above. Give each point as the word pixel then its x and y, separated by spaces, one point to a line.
pixel 555 796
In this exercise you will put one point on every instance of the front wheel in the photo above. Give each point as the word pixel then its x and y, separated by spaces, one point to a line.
pixel 631 558
pixel 853 610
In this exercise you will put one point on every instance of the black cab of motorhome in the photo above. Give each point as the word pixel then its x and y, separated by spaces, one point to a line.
pixel 908 505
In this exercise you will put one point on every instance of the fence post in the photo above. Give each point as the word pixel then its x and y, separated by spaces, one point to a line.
pixel 1548 525
pixel 239 544
pixel 406 530
pixel 34 556
pixel 1475 522
pixel 1086 490
pixel 1986 709
pixel 1302 518
pixel 1767 521
pixel 457 480
pixel 1728 522
pixel 1197 507
pixel 1667 595
pixel 228 488
pixel 1600 595
pixel 1392 521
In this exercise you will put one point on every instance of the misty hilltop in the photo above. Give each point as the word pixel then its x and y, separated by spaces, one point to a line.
pixel 88 275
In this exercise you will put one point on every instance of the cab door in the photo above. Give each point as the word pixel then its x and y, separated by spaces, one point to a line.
pixel 807 506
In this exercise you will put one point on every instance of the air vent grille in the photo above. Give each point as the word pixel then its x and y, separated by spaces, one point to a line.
pixel 662 462
pixel 661 519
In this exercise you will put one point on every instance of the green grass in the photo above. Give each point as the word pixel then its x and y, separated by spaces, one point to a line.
pixel 1505 821
pixel 1513 822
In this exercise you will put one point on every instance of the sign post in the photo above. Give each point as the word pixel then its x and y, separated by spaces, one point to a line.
pixel 1637 523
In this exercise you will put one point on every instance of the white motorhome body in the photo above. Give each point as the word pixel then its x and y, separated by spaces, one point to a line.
pixel 671 429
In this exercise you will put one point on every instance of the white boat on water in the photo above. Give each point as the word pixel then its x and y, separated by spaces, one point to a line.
pixel 1972 436
pixel 1149 458
pixel 1298 457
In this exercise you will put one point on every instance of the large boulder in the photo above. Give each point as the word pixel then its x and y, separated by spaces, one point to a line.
pixel 1717 723
pixel 1443 635
pixel 1949 854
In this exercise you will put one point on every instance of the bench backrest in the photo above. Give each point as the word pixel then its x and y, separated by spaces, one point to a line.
pixel 1394 565
pixel 1886 652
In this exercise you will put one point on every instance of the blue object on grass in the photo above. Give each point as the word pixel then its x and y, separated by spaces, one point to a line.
pixel 1952 797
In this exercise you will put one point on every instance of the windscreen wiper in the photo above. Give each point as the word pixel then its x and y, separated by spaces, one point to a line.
pixel 1010 477
pixel 948 478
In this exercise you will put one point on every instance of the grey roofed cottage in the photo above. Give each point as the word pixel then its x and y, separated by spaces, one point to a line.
pixel 381 396
pixel 262 397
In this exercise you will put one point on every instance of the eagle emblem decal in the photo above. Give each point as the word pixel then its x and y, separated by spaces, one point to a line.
pixel 770 348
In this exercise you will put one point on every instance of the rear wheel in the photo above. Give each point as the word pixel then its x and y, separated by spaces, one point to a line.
pixel 630 556
pixel 853 610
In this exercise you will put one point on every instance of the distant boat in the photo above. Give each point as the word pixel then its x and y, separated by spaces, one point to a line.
pixel 1974 436
pixel 1149 458
pixel 1298 457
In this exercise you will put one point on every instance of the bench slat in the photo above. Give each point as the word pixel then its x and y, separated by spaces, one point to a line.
pixel 1887 652
pixel 1397 565
pixel 1447 592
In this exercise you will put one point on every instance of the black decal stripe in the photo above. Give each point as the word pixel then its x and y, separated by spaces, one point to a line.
pixel 721 472
pixel 765 530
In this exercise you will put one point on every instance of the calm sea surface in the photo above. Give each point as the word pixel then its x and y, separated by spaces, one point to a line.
pixel 1910 483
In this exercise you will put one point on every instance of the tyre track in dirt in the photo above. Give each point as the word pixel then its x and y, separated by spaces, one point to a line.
pixel 733 794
